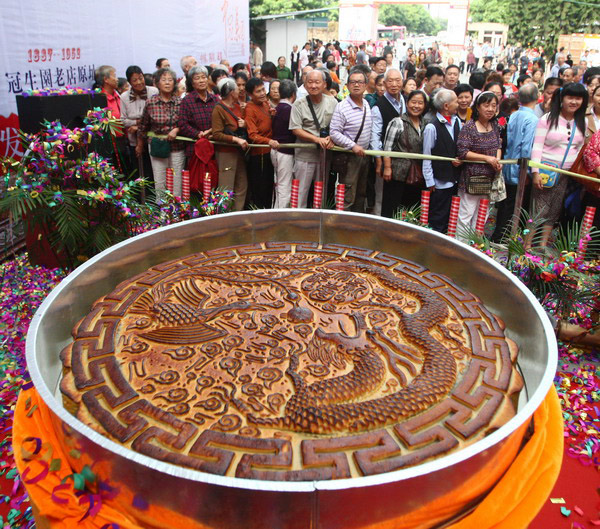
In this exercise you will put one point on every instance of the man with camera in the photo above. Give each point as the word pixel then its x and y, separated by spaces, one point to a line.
pixel 309 121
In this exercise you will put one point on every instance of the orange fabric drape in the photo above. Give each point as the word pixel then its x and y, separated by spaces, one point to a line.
pixel 513 502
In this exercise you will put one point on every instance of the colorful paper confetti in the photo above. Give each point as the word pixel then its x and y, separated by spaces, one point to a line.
pixel 23 289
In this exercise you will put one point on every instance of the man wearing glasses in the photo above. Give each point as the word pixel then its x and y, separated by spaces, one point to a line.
pixel 388 107
pixel 309 121
pixel 351 129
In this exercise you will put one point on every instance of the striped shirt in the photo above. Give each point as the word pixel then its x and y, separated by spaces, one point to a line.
pixel 345 124
pixel 550 144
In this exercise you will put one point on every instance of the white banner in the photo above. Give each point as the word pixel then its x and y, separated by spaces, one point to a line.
pixel 457 23
pixel 357 23
pixel 55 44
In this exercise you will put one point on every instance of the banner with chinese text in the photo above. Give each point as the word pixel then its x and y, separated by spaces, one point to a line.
pixel 57 44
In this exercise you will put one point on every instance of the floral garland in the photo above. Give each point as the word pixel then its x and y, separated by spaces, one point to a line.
pixel 64 91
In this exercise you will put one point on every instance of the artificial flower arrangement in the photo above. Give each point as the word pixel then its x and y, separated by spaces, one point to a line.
pixel 74 201
pixel 564 277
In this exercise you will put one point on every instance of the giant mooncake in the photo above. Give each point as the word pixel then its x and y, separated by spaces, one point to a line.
pixel 291 361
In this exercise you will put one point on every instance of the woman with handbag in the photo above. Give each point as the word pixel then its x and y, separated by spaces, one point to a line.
pixel 228 126
pixel 160 116
pixel 559 136
pixel 403 178
pixel 479 140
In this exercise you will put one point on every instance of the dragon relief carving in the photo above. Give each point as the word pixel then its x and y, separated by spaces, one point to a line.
pixel 291 361
pixel 183 313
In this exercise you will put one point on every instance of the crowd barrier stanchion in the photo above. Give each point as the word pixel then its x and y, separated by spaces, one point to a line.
pixel 484 205
pixel 586 226
pixel 185 184
pixel 295 192
pixel 453 220
pixel 523 173
pixel 206 187
pixel 323 168
pixel 170 178
pixel 318 195
pixel 340 192
pixel 425 196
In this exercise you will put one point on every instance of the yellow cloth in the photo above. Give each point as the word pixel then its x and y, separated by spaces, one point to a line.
pixel 513 502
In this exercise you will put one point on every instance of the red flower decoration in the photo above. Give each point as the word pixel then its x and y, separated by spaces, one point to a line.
pixel 502 121
pixel 547 276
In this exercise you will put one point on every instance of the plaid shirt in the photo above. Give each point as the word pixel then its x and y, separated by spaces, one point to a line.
pixel 195 116
pixel 161 117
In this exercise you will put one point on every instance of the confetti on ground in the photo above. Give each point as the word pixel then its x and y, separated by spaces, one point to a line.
pixel 23 289
pixel 578 384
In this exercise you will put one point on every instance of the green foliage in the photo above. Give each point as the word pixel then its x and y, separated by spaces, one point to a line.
pixel 415 17
pixel 489 11
pixel 556 275
pixel 537 22
pixel 275 7
pixel 411 215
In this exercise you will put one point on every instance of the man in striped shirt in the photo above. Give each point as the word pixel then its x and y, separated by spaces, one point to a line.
pixel 350 128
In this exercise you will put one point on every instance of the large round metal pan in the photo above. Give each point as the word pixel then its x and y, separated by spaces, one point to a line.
pixel 228 503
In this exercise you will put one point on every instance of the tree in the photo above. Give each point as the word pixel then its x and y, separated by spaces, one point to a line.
pixel 275 7
pixel 415 17
pixel 489 11
pixel 538 22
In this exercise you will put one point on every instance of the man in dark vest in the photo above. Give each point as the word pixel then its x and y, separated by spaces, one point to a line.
pixel 439 139
pixel 389 106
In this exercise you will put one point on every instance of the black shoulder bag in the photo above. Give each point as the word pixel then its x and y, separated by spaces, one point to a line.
pixel 340 160
pixel 240 132
pixel 323 132
pixel 160 148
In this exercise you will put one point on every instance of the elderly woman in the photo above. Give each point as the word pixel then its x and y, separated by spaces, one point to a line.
pixel 403 134
pixel 160 117
pixel 273 96
pixel 107 81
pixel 559 136
pixel 133 102
pixel 195 115
pixel 479 140
pixel 260 131
pixel 228 126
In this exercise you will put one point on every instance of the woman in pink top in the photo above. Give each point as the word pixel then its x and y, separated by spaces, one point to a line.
pixel 552 135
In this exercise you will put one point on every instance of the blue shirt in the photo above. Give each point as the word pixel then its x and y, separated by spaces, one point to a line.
pixel 429 139
pixel 520 133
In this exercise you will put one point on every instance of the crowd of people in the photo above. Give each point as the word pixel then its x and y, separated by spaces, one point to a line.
pixel 400 101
